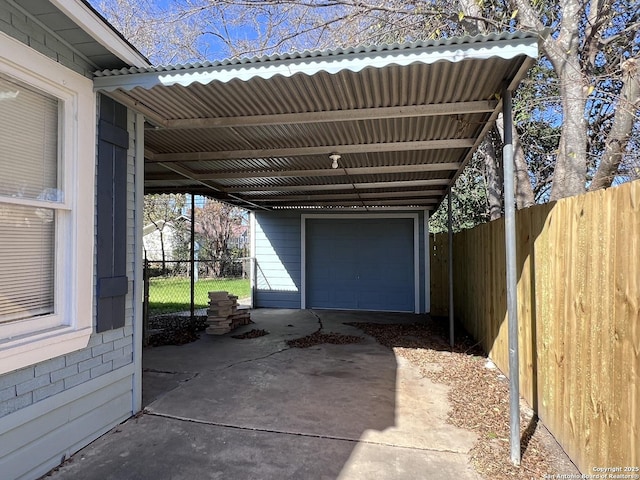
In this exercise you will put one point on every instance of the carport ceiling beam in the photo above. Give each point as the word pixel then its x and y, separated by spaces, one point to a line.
pixel 306 151
pixel 427 167
pixel 150 114
pixel 350 196
pixel 458 108
pixel 392 202
pixel 186 173
pixel 358 203
pixel 341 186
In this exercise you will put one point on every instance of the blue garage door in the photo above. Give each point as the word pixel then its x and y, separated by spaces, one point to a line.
pixel 360 264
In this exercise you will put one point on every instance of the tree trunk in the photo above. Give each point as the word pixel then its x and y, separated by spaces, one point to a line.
pixel 493 173
pixel 570 172
pixel 164 256
pixel 472 17
pixel 524 191
pixel 622 126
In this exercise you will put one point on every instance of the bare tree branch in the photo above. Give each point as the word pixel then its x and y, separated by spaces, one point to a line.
pixel 622 126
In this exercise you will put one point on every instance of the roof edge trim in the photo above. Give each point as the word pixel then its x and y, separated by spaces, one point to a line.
pixel 100 30
pixel 357 61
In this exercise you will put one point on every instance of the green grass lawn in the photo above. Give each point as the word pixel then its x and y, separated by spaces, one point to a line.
pixel 167 295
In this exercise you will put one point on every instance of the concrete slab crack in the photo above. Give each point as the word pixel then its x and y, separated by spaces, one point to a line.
pixel 169 372
pixel 321 326
pixel 300 434
pixel 249 360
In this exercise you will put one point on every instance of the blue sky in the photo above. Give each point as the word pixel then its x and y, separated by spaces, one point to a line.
pixel 207 44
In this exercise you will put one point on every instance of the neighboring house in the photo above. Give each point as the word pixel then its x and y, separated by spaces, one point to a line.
pixel 239 237
pixel 166 235
pixel 157 238
pixel 74 101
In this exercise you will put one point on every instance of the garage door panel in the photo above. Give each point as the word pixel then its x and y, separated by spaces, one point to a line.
pixel 386 303
pixel 343 298
pixel 387 295
pixel 362 264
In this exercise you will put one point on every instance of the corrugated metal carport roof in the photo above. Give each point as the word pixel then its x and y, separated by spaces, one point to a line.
pixel 258 132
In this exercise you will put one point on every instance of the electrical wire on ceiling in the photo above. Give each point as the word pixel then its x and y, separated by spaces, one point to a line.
pixel 334 164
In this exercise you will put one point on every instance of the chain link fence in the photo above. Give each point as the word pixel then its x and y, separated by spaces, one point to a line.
pixel 168 283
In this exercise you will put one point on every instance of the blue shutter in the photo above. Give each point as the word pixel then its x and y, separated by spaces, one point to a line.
pixel 112 284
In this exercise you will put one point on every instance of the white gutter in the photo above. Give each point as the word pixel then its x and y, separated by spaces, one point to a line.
pixel 86 19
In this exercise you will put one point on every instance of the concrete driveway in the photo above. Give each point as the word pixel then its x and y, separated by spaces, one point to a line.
pixel 224 408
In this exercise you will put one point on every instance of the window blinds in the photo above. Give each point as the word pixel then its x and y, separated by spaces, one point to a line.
pixel 29 169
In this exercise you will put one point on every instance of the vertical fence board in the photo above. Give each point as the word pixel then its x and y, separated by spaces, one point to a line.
pixel 439 278
pixel 624 334
pixel 586 310
pixel 579 315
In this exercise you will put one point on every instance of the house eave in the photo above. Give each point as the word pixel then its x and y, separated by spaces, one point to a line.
pixel 93 24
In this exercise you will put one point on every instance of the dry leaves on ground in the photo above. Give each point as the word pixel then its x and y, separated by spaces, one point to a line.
pixel 255 333
pixel 479 397
pixel 175 329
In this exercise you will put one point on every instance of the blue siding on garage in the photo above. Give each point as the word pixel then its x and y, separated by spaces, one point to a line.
pixel 360 264
pixel 278 253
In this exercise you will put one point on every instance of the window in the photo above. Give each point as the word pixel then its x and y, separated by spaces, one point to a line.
pixel 47 158
pixel 30 163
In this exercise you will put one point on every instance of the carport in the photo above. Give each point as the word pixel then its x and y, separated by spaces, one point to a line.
pixel 340 155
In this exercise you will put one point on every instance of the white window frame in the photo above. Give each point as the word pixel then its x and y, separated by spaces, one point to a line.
pixel 30 341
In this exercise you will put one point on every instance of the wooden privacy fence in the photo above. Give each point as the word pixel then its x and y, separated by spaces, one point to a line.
pixel 579 315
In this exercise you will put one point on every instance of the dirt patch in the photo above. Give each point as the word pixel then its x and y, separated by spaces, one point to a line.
pixel 255 333
pixel 479 397
pixel 175 329
pixel 319 338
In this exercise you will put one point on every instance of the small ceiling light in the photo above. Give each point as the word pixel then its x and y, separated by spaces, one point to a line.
pixel 335 157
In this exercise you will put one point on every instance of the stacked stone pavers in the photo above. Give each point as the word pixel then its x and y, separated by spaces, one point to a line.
pixel 223 314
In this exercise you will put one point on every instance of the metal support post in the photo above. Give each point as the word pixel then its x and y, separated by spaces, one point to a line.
pixel 193 257
pixel 512 283
pixel 451 316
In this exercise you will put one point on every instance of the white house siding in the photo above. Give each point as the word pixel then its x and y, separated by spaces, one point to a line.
pixel 153 245
pixel 52 409
pixel 278 254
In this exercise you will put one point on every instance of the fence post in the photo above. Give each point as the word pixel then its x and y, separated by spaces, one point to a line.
pixel 145 302
pixel 253 279
pixel 193 257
